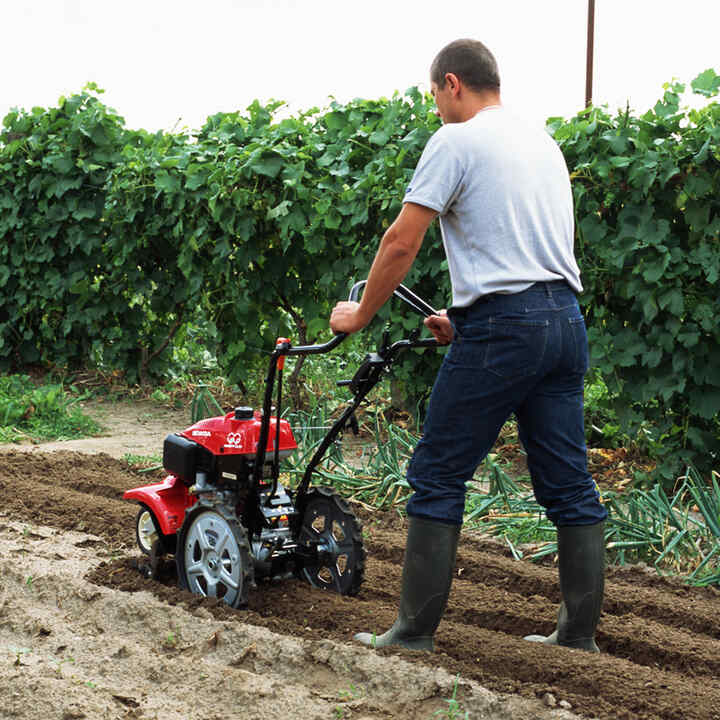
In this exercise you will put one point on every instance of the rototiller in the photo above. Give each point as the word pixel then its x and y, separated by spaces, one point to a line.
pixel 221 510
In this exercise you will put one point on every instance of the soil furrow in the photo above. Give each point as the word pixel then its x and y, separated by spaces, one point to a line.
pixel 678 606
pixel 634 637
pixel 661 656
pixel 600 684
pixel 35 502
pixel 501 661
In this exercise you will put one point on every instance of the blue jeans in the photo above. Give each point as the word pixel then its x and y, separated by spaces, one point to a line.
pixel 525 354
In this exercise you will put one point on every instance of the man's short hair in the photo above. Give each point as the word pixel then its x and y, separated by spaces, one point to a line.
pixel 471 61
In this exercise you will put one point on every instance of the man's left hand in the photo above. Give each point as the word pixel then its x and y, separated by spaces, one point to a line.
pixel 346 318
pixel 440 326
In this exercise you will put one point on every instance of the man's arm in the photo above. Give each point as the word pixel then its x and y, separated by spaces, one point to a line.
pixel 395 256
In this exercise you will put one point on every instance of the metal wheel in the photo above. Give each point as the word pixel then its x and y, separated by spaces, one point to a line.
pixel 330 529
pixel 213 555
pixel 146 530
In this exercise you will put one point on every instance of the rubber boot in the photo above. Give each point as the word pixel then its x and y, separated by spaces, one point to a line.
pixel 581 558
pixel 426 579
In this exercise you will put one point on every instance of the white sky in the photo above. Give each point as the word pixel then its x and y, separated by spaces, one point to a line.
pixel 168 63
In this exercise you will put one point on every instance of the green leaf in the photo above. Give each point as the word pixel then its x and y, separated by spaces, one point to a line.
pixel 268 166
pixel 706 83
pixel 62 164
pixel 653 271
pixel 650 308
pixel 697 214
pixel 652 357
pixel 689 338
pixel 316 326
pixel 279 210
pixel 335 120
pixel 705 402
pixel 165 182
pixel 195 179
pixel 65 184
pixel 379 137
pixel 673 300
pixel 332 219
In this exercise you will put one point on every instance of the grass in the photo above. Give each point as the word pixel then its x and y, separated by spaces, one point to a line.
pixel 41 412
pixel 143 463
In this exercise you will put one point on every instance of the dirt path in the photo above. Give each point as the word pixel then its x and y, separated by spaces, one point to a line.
pixel 82 628
pixel 129 428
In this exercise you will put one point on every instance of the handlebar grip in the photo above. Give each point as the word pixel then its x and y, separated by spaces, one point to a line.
pixel 355 291
pixel 353 297
pixel 416 303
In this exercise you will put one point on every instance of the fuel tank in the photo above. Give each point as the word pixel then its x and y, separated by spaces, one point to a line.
pixel 238 433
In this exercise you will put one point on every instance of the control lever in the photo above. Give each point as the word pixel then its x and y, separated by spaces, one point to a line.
pixel 385 342
pixel 353 423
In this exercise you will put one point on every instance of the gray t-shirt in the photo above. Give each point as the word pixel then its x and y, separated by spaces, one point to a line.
pixel 506 212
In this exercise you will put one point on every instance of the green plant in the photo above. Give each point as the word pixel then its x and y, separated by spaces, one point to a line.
pixel 380 481
pixel 648 222
pixel 453 711
pixel 601 422
pixel 19 652
pixel 143 462
pixel 352 693
pixel 54 164
pixel 163 255
pixel 159 396
pixel 40 412
pixel 118 245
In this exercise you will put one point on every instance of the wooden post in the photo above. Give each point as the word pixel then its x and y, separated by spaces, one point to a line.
pixel 590 52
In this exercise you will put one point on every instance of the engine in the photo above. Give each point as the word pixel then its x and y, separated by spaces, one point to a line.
pixel 215 459
pixel 222 450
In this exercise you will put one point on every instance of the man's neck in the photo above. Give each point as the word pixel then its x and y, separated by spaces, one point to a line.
pixel 477 102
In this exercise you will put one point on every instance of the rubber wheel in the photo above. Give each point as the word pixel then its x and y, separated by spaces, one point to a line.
pixel 329 524
pixel 213 555
pixel 146 529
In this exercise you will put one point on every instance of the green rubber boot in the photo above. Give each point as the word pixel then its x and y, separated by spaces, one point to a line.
pixel 426 579
pixel 581 557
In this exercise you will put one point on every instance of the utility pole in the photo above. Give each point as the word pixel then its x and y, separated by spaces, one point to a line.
pixel 590 52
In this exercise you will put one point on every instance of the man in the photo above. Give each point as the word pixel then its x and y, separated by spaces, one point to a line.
pixel 519 345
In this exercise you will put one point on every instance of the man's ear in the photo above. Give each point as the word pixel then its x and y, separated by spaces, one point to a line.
pixel 452 81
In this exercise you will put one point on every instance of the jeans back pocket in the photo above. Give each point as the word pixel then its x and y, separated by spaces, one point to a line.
pixel 516 347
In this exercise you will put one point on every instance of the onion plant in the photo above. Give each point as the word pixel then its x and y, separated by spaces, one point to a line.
pixel 677 533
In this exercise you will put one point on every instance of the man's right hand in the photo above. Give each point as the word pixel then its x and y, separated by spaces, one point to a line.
pixel 439 325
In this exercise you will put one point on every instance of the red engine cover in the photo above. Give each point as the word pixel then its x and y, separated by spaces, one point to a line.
pixel 229 436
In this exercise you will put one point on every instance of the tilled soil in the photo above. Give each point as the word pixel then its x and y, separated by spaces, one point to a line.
pixel 660 639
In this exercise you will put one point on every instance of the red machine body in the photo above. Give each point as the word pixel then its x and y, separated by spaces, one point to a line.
pixel 233 435
pixel 224 441
pixel 168 501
